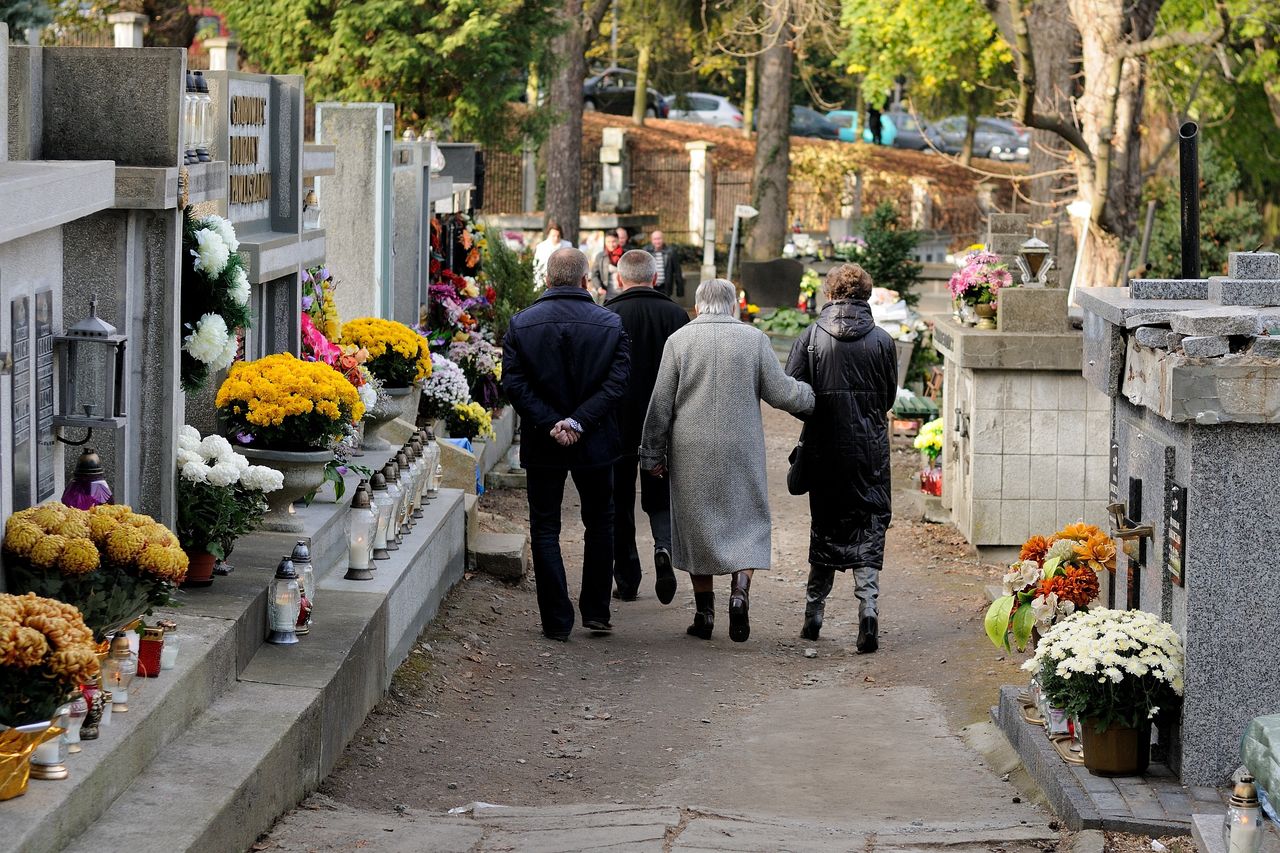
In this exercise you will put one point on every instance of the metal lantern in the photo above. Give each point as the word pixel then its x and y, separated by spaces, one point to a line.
pixel 204 118
pixel 284 602
pixel 301 559
pixel 1034 261
pixel 362 526
pixel 92 369
pixel 118 672
pixel 396 495
pixel 382 505
pixel 1242 831
pixel 190 102
pixel 48 761
pixel 88 487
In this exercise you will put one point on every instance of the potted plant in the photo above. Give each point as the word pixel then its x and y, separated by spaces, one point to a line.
pixel 481 363
pixel 111 563
pixel 46 653
pixel 1115 670
pixel 221 497
pixel 446 387
pixel 399 358
pixel 286 412
pixel 470 421
pixel 978 283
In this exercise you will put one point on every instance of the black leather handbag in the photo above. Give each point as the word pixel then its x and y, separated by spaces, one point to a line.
pixel 798 474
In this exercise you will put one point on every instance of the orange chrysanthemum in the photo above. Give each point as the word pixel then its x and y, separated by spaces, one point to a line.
pixel 1098 552
pixel 1034 549
pixel 1078 531
pixel 1076 584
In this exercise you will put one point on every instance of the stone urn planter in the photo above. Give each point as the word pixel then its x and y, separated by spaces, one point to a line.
pixel 1118 751
pixel 403 405
pixel 303 472
pixel 986 316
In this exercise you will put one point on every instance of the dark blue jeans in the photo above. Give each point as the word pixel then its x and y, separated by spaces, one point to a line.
pixel 655 500
pixel 546 494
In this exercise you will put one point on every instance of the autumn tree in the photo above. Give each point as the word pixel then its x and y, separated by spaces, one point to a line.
pixel 22 15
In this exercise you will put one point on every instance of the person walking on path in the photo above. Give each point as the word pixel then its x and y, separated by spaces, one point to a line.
pixel 649 318
pixel 853 368
pixel 554 240
pixel 670 276
pixel 604 270
pixel 565 367
pixel 704 430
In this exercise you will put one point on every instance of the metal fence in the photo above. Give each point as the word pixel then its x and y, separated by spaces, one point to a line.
pixel 660 184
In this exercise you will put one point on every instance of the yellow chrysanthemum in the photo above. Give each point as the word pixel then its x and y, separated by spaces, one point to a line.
pixel 49 517
pixel 80 557
pixel 124 543
pixel 100 527
pixel 48 551
pixel 164 562
pixel 381 337
pixel 112 510
pixel 267 391
pixel 75 526
pixel 21 535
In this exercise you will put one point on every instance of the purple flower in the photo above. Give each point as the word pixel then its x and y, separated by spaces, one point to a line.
pixel 343 470
pixel 307 302
pixel 244 438
pixel 306 277
pixel 324 273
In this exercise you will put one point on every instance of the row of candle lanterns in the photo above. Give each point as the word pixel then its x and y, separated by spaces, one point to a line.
pixel 197 119
pixel 383 511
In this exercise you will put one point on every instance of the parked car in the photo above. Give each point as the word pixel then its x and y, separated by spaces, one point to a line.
pixel 848 123
pixel 990 138
pixel 806 121
pixel 703 108
pixel 1004 125
pixel 614 91
pixel 914 133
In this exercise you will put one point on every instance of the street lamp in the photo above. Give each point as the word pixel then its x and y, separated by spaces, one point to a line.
pixel 740 212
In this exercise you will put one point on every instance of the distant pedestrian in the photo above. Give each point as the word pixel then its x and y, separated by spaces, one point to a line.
pixel 604 269
pixel 874 125
pixel 649 318
pixel 554 240
pixel 704 430
pixel 565 367
pixel 624 237
pixel 846 441
pixel 670 276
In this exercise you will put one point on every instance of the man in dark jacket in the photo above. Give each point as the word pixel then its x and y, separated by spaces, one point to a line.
pixel 565 366
pixel 670 276
pixel 649 318
pixel 853 368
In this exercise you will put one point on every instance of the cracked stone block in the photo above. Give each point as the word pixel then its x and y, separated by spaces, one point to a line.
pixel 1233 291
pixel 1154 337
pixel 1210 346
pixel 1254 265
pixel 1208 322
pixel 1265 346
pixel 1169 288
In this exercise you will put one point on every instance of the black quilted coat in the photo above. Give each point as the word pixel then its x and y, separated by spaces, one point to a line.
pixel 856 382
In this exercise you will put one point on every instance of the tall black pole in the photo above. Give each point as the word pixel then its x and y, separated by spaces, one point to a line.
pixel 1189 167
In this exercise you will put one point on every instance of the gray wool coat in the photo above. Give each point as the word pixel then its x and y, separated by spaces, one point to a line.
pixel 704 423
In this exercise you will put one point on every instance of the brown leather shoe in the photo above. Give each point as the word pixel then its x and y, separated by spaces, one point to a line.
pixel 739 606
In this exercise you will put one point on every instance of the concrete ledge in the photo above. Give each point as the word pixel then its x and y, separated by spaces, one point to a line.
pixel 155 188
pixel 43 195
pixel 993 350
pixel 319 160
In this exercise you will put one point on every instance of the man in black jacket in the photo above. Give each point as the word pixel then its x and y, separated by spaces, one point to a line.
pixel 670 277
pixel 649 318
pixel 565 366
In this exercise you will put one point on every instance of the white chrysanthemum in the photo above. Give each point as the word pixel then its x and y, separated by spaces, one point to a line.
pixel 1062 550
pixel 207 342
pixel 447 384
pixel 223 474
pixel 239 290
pixel 188 438
pixel 185 456
pixel 368 396
pixel 196 472
pixel 261 478
pixel 241 463
pixel 228 355
pixel 211 252
pixel 224 229
pixel 216 449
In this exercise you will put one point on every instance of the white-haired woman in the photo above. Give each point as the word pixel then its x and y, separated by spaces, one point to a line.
pixel 703 430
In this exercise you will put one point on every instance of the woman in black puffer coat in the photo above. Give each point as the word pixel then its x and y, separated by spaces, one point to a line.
pixel 855 379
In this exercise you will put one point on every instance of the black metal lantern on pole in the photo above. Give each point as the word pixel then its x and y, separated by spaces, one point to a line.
pixel 92 370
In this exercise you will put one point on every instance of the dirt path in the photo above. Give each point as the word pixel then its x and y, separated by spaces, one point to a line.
pixel 486 710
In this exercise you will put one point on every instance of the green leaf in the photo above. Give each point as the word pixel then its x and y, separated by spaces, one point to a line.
pixel 996 622
pixel 1023 622
pixel 1051 567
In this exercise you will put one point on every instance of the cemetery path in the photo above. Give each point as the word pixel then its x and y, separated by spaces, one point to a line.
pixel 679 744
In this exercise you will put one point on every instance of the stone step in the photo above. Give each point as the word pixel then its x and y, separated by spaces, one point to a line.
pixel 503 555
pixel 506 477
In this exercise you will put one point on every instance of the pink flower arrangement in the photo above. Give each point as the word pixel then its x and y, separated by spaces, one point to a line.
pixel 315 344
pixel 981 278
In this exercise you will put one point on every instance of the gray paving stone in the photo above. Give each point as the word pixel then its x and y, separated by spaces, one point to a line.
pixel 1267 346
pixel 1201 322
pixel 1155 337
pixel 1209 346
pixel 1169 288
pixel 1256 265
pixel 1257 292
pixel 1089 841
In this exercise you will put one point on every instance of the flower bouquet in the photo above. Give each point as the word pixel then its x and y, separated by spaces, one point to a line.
pixel 318 286
pixel 283 403
pixel 46 652
pixel 850 249
pixel 221 497
pixel 810 287
pixel 398 356
pixel 1054 578
pixel 446 387
pixel 215 297
pixel 469 420
pixel 110 562
pixel 481 363
pixel 979 281
pixel 929 442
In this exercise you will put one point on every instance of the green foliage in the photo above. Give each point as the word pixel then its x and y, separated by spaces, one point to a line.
pixel 24 14
pixel 512 277
pixel 888 253
pixel 785 322
pixel 1226 224
pixel 454 62
pixel 211 518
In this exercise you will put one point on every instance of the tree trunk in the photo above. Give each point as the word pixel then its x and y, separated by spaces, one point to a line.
pixel 1056 42
pixel 970 128
pixel 749 97
pixel 769 183
pixel 564 143
pixel 641 101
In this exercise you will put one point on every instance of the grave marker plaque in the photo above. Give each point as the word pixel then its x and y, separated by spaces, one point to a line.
pixel 45 478
pixel 21 317
pixel 1177 526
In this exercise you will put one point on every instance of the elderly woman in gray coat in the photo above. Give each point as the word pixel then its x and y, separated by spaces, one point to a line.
pixel 703 429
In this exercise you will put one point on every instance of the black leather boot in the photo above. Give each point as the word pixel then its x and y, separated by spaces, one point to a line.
pixel 704 617
pixel 816 591
pixel 739 606
pixel 868 628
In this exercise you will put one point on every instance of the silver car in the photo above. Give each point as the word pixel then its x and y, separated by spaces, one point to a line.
pixel 704 108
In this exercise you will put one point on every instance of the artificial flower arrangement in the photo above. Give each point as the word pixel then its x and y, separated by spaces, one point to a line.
pixel 318 286
pixel 850 249
pixel 110 562
pixel 929 440
pixel 469 420
pixel 481 363
pixel 1110 667
pixel 398 356
pixel 810 287
pixel 1053 578
pixel 220 495
pixel 46 653
pixel 446 387
pixel 981 278
pixel 215 297
pixel 281 402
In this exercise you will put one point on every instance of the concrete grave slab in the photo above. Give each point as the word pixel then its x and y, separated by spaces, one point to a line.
pixel 1156 337
pixel 1033 309
pixel 1265 346
pixel 1215 321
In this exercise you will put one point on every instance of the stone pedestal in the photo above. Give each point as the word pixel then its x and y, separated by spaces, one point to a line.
pixel 224 53
pixel 701 191
pixel 615 172
pixel 128 28
pixel 1195 453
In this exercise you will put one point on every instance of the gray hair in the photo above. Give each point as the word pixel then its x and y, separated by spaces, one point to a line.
pixel 717 296
pixel 637 267
pixel 566 268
